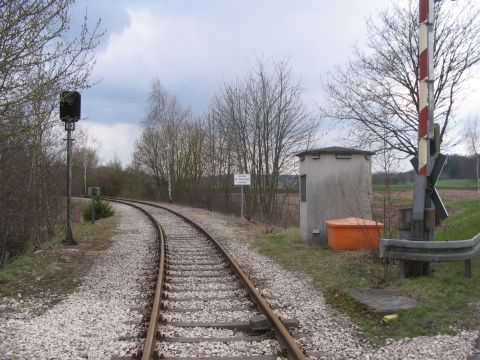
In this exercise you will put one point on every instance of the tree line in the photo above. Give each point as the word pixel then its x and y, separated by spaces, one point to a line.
pixel 38 61
pixel 456 167
pixel 253 125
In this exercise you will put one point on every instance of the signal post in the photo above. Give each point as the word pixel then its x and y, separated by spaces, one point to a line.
pixel 70 105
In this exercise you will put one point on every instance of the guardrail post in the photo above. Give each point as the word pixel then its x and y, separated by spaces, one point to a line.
pixel 409 252
pixel 468 268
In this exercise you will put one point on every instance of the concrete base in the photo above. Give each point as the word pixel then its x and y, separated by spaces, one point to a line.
pixel 382 301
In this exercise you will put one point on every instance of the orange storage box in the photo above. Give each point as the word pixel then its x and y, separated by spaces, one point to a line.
pixel 353 233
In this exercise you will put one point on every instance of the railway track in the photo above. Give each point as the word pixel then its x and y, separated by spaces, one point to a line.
pixel 205 306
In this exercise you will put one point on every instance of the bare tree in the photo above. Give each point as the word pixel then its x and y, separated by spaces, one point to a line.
pixel 253 125
pixel 376 92
pixel 219 159
pixel 171 145
pixel 84 161
pixel 38 60
pixel 263 122
pixel 148 155
pixel 472 134
pixel 36 53
pixel 387 161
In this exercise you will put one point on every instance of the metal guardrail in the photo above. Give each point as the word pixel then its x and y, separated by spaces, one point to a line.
pixel 435 251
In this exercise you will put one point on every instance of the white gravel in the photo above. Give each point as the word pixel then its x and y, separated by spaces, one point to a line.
pixel 198 286
pixel 102 317
pixel 195 299
pixel 236 348
pixel 216 273
pixel 196 332
pixel 202 304
pixel 323 332
pixel 207 315
pixel 200 280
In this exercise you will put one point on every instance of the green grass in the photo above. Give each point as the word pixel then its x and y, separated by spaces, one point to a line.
pixel 103 210
pixel 57 269
pixel 331 268
pixel 25 263
pixel 441 184
pixel 407 185
pixel 446 296
pixel 18 267
pixel 465 224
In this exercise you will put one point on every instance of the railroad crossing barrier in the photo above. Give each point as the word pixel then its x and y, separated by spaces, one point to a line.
pixel 436 251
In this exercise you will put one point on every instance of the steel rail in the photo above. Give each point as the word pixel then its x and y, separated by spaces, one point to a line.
pixel 150 340
pixel 283 335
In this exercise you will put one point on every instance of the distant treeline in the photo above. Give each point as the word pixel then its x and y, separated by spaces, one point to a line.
pixel 253 125
pixel 457 167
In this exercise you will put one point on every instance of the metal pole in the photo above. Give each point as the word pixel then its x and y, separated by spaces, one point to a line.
pixel 93 209
pixel 425 116
pixel 69 239
pixel 478 175
pixel 241 201
pixel 430 229
pixel 85 177
pixel 423 183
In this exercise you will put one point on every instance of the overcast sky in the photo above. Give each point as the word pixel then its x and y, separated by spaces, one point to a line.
pixel 192 46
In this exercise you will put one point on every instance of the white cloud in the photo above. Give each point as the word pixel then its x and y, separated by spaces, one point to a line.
pixel 115 140
pixel 192 49
pixel 152 44
pixel 193 46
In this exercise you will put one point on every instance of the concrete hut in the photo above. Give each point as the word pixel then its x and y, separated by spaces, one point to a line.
pixel 335 182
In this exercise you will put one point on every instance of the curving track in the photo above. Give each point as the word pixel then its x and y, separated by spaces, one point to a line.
pixel 205 306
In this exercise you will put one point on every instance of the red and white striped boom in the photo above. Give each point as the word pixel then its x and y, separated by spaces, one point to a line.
pixel 425 90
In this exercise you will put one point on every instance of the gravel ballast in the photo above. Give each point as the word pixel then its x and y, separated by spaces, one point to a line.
pixel 323 332
pixel 221 349
pixel 197 305
pixel 103 316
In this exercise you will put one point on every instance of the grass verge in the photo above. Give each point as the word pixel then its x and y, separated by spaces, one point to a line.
pixel 56 270
pixel 449 300
pixel 442 184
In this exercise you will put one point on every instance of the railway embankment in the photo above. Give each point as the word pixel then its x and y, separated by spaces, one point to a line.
pixel 101 313
pixel 117 287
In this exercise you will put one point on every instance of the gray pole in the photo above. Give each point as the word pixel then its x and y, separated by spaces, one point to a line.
pixel 70 109
pixel 430 230
pixel 241 201
pixel 478 176
pixel 84 177
pixel 93 209
pixel 69 240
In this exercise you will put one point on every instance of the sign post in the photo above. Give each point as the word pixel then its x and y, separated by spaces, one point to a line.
pixel 93 192
pixel 70 103
pixel 241 180
pixel 241 202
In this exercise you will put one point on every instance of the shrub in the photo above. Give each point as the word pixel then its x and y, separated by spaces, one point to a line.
pixel 102 210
